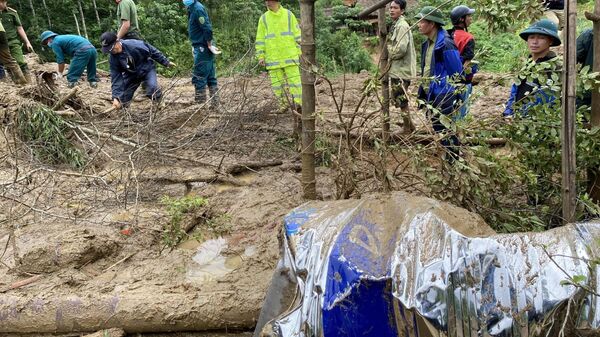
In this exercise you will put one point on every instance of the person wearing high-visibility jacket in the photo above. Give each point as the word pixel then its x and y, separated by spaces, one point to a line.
pixel 278 49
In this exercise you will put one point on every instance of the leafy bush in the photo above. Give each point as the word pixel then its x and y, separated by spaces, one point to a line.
pixel 518 188
pixel 340 48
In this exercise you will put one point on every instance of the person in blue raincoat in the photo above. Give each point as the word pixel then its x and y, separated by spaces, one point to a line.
pixel 131 64
pixel 441 65
pixel 201 34
pixel 82 53
pixel 540 36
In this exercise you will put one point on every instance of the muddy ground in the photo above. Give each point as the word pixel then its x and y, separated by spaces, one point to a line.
pixel 89 243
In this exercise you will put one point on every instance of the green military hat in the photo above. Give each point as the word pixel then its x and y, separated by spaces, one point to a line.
pixel 431 13
pixel 543 27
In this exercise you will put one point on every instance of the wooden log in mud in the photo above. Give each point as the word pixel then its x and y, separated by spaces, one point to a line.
pixel 133 312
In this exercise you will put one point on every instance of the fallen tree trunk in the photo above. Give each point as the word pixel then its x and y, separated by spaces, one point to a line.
pixel 159 312
pixel 251 166
pixel 413 138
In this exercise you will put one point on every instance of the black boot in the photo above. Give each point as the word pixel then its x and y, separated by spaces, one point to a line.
pixel 215 103
pixel 200 96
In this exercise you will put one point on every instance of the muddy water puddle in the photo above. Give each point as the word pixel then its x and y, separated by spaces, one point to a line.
pixel 209 263
pixel 246 178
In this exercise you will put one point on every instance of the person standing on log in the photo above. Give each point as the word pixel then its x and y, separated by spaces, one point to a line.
pixel 14 30
pixel 441 68
pixel 403 61
pixel 278 49
pixel 540 36
pixel 201 35
pixel 462 17
pixel 9 61
pixel 82 53
pixel 132 62
pixel 128 20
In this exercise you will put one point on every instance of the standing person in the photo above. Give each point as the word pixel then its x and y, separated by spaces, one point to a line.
pixel 462 17
pixel 9 61
pixel 540 36
pixel 201 34
pixel 82 53
pixel 441 66
pixel 555 12
pixel 128 20
pixel 14 30
pixel 131 64
pixel 585 57
pixel 403 60
pixel 278 49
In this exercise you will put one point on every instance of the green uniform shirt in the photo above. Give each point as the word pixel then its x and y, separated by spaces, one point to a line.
pixel 429 56
pixel 10 19
pixel 126 10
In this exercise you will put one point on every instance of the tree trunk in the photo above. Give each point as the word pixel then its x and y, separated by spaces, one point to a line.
pixel 47 13
pixel 32 9
pixel 307 23
pixel 77 24
pixel 594 174
pixel 134 312
pixel 569 191
pixel 82 19
pixel 385 81
pixel 364 13
pixel 96 12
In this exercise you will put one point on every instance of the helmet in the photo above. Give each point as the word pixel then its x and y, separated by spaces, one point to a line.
pixel 459 12
pixel 431 13
pixel 46 35
pixel 543 27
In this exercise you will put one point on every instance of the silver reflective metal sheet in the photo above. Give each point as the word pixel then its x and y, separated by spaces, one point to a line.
pixel 399 265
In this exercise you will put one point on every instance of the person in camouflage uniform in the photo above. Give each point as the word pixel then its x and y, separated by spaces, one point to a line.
pixel 14 35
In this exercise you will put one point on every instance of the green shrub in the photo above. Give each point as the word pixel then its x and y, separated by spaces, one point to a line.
pixel 176 208
pixel 46 134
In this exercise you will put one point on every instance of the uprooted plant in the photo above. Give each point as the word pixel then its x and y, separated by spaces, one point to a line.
pixel 46 134
pixel 177 208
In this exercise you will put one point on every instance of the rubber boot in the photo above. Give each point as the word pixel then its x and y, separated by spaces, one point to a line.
pixel 215 102
pixel 200 96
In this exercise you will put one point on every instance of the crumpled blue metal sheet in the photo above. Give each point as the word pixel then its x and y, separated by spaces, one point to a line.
pixel 396 265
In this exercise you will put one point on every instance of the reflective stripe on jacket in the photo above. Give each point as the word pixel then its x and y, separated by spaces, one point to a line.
pixel 278 39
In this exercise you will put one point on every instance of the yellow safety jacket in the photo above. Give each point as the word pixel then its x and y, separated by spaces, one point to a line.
pixel 278 39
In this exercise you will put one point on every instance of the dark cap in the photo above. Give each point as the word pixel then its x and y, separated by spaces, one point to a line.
pixel 108 40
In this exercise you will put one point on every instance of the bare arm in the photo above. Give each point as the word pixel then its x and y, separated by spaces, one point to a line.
pixel 23 36
pixel 125 24
pixel 61 68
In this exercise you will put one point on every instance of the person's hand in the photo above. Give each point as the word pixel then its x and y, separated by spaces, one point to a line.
pixel 171 64
pixel 29 47
pixel 261 62
pixel 116 104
